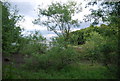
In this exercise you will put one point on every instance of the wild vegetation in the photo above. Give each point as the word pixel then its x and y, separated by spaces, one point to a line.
pixel 89 53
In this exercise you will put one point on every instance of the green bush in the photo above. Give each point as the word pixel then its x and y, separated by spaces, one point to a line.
pixel 55 58
pixel 33 48
pixel 59 42
pixel 100 48
pixel 92 46
pixel 34 43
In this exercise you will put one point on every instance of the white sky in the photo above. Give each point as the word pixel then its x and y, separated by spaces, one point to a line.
pixel 28 8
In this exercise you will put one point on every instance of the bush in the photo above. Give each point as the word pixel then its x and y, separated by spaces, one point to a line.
pixel 55 58
pixel 91 48
pixel 100 48
pixel 59 42
pixel 33 48
pixel 34 43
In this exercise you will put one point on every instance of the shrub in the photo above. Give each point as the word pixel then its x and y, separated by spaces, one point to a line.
pixel 34 43
pixel 92 46
pixel 55 58
pixel 101 48
pixel 33 48
pixel 59 42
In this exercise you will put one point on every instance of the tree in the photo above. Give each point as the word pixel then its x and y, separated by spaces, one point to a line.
pixel 108 12
pixel 10 31
pixel 59 17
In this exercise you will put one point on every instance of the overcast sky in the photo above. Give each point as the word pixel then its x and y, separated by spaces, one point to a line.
pixel 28 9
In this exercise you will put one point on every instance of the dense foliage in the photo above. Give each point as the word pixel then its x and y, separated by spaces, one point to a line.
pixel 80 36
pixel 99 43
pixel 89 53
pixel 10 32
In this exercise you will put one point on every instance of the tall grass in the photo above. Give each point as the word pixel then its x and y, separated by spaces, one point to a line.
pixel 73 71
